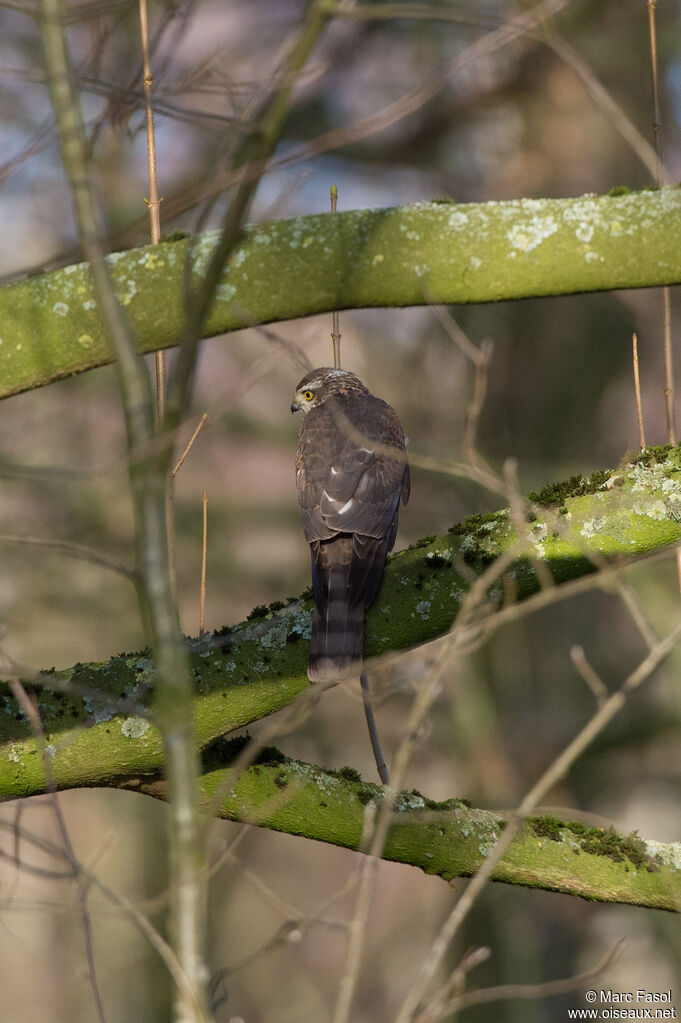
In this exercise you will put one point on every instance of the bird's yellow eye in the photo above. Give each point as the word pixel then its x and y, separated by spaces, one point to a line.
pixel 308 395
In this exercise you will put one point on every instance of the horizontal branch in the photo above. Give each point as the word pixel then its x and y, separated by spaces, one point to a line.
pixel 98 718
pixel 405 256
pixel 449 839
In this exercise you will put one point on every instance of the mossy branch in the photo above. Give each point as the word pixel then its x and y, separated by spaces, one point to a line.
pixel 98 718
pixel 449 839
pixel 411 255
pixel 100 731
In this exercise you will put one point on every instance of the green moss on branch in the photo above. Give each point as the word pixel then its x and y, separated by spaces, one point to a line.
pixel 449 839
pixel 410 255
pixel 98 718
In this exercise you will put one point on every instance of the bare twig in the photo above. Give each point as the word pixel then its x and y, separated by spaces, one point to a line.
pixel 249 163
pixel 335 320
pixel 614 113
pixel 381 765
pixel 637 389
pixel 506 992
pixel 148 479
pixel 534 797
pixel 153 202
pixel 82 883
pixel 660 179
pixel 657 119
pixel 123 905
pixel 474 408
pixel 74 550
pixel 591 677
pixel 178 465
pixel 202 602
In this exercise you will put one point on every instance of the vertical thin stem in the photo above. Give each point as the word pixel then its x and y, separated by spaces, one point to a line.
pixel 153 202
pixel 335 320
pixel 82 883
pixel 154 207
pixel 666 296
pixel 657 125
pixel 668 366
pixel 202 608
pixel 381 765
pixel 148 477
pixel 637 389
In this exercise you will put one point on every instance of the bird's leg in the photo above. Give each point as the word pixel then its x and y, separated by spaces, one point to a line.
pixel 381 765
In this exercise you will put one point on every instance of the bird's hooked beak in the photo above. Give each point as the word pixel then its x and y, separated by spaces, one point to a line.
pixel 295 407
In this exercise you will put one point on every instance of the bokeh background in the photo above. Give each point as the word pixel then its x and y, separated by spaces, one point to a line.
pixel 560 400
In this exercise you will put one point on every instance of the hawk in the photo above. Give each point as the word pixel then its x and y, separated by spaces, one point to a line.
pixel 352 472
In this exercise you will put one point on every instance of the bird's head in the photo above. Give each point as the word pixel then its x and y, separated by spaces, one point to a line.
pixel 319 385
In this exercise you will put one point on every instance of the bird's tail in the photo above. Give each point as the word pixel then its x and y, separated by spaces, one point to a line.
pixel 336 639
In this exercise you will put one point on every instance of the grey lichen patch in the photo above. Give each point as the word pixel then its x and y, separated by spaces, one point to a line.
pixel 134 727
pixel 667 854
pixel 593 526
pixel 527 235
pixel 405 801
pixel 100 710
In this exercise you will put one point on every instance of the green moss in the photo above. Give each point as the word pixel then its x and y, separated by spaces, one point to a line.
pixel 423 542
pixel 350 774
pixel 473 523
pixel 436 560
pixel 173 236
pixel 596 841
pixel 654 455
pixel 555 494
pixel 620 190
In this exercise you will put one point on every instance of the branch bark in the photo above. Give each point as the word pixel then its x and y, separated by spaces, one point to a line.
pixel 410 255
pixel 99 728
pixel 98 718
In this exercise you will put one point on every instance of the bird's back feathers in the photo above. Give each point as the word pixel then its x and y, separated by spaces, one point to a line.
pixel 351 473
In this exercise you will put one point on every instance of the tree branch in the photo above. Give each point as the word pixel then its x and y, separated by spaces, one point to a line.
pixel 99 729
pixel 98 718
pixel 414 255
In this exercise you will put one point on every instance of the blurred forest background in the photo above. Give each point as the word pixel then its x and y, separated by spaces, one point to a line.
pixel 560 399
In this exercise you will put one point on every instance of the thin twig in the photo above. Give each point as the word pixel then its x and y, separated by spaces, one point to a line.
pixel 381 765
pixel 668 365
pixel 74 550
pixel 474 408
pixel 660 180
pixel 178 465
pixel 591 677
pixel 82 884
pixel 657 120
pixel 129 909
pixel 202 602
pixel 613 112
pixel 153 202
pixel 148 479
pixel 637 389
pixel 335 320
pixel 524 23
pixel 534 797
pixel 505 992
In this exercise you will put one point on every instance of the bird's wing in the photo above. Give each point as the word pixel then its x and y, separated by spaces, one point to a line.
pixel 349 480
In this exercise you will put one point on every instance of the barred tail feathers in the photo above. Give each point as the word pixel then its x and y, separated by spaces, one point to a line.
pixel 336 640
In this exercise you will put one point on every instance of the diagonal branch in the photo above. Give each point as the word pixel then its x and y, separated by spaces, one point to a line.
pixel 255 668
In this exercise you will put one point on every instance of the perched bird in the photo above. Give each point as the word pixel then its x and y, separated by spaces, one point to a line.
pixel 351 471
